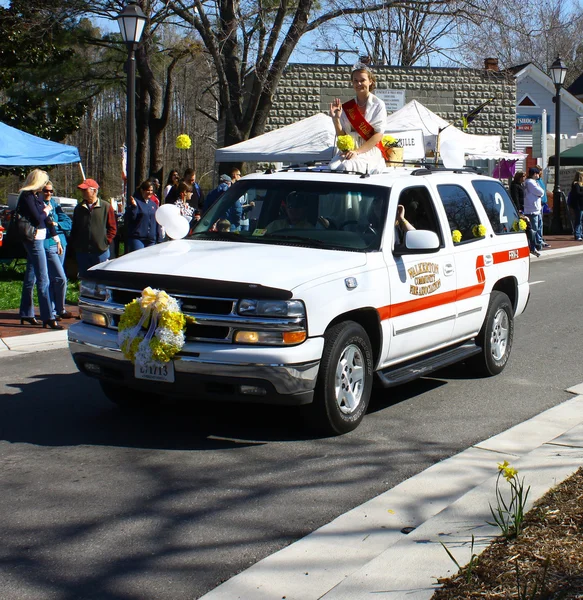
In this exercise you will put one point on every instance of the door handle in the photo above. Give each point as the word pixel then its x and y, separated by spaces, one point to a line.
pixel 448 269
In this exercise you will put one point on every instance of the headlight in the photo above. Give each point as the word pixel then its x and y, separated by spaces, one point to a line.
pixel 272 338
pixel 93 318
pixel 92 289
pixel 272 308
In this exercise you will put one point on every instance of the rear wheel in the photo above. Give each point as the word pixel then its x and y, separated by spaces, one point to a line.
pixel 127 398
pixel 495 337
pixel 344 380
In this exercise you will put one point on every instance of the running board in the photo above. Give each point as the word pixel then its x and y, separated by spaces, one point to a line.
pixel 416 368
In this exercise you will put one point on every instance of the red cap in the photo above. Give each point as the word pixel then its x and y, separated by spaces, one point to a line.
pixel 88 183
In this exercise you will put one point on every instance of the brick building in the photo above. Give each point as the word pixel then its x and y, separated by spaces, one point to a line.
pixel 307 89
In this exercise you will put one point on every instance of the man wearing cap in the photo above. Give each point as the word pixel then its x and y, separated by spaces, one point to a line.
pixel 94 227
pixel 214 195
pixel 533 194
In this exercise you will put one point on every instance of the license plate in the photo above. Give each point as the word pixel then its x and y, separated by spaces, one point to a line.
pixel 163 372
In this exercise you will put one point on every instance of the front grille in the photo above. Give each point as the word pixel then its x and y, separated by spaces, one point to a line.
pixel 216 318
pixel 189 304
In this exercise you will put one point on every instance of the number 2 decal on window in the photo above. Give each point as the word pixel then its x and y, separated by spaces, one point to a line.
pixel 500 201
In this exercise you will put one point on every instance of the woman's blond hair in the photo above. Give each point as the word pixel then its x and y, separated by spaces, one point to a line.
pixel 35 180
pixel 579 177
pixel 364 69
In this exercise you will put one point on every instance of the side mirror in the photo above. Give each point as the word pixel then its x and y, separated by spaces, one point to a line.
pixel 418 241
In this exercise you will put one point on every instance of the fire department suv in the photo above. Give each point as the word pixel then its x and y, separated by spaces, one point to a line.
pixel 322 291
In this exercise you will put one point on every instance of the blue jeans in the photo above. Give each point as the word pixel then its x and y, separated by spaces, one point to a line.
pixel 36 270
pixel 137 244
pixel 536 222
pixel 86 260
pixel 57 279
pixel 577 216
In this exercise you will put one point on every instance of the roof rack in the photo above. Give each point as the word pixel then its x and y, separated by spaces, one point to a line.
pixel 314 167
pixel 429 169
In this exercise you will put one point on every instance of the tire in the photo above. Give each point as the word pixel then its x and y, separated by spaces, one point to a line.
pixel 344 380
pixel 129 399
pixel 495 337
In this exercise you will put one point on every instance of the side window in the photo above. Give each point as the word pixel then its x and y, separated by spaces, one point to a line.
pixel 498 206
pixel 420 209
pixel 463 219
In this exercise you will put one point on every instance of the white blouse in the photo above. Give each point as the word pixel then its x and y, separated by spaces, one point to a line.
pixel 372 160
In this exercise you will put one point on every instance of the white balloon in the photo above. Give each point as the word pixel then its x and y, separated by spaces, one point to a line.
pixel 167 213
pixel 452 154
pixel 177 228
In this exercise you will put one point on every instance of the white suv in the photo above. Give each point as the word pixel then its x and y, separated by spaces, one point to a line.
pixel 323 292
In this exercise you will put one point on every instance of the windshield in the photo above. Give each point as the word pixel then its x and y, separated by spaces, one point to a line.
pixel 340 216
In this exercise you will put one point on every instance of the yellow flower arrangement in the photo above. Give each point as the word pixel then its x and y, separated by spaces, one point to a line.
pixel 479 230
pixel 151 328
pixel 345 143
pixel 456 236
pixel 183 142
pixel 519 225
pixel 389 141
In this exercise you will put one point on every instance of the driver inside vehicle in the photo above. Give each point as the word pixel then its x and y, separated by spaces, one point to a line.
pixel 296 208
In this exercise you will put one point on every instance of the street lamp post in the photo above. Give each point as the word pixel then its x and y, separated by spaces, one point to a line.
pixel 558 73
pixel 131 21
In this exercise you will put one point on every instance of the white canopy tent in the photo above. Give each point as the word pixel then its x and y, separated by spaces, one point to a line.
pixel 416 116
pixel 313 139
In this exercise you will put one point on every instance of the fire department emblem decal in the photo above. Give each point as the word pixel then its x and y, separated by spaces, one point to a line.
pixel 425 278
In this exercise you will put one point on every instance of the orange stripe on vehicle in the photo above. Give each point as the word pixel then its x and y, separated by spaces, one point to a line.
pixel 508 255
pixel 412 306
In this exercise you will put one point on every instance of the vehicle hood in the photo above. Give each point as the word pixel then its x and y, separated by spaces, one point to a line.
pixel 284 267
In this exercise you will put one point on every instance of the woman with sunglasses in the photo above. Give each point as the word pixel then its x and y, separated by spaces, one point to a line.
pixel 55 258
pixel 32 206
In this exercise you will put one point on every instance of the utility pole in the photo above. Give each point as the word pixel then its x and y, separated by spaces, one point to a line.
pixel 379 56
pixel 337 52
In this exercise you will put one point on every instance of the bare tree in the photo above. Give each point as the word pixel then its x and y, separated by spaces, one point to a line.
pixel 400 35
pixel 251 41
pixel 534 31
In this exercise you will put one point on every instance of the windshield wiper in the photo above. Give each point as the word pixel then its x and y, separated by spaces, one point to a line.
pixel 295 238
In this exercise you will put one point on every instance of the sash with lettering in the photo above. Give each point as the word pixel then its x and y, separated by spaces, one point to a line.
pixel 361 125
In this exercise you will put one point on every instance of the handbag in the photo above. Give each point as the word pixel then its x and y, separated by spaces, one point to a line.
pixel 19 224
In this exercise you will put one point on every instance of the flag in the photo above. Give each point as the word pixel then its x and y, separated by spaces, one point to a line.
pixel 472 114
pixel 124 162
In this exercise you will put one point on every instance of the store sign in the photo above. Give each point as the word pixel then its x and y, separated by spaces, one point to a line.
pixel 411 141
pixel 393 99
pixel 525 123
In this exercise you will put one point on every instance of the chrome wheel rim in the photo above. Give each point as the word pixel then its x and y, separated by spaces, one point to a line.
pixel 500 334
pixel 350 377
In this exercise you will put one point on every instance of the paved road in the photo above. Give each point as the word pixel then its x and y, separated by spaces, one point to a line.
pixel 98 504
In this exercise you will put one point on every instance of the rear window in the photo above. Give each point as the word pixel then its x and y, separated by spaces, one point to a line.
pixel 502 213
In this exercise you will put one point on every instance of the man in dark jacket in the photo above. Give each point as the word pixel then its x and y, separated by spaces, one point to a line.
pixel 214 195
pixel 94 227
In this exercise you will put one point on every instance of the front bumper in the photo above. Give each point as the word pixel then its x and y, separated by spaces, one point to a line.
pixel 207 371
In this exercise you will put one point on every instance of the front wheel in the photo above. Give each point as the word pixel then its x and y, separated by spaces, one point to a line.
pixel 344 381
pixel 495 337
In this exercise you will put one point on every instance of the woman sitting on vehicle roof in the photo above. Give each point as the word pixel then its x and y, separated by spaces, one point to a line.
pixel 364 119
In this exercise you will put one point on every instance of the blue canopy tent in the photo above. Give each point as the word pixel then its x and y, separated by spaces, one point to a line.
pixel 20 149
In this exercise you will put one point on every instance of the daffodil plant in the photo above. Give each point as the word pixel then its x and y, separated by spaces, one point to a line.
pixel 509 514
